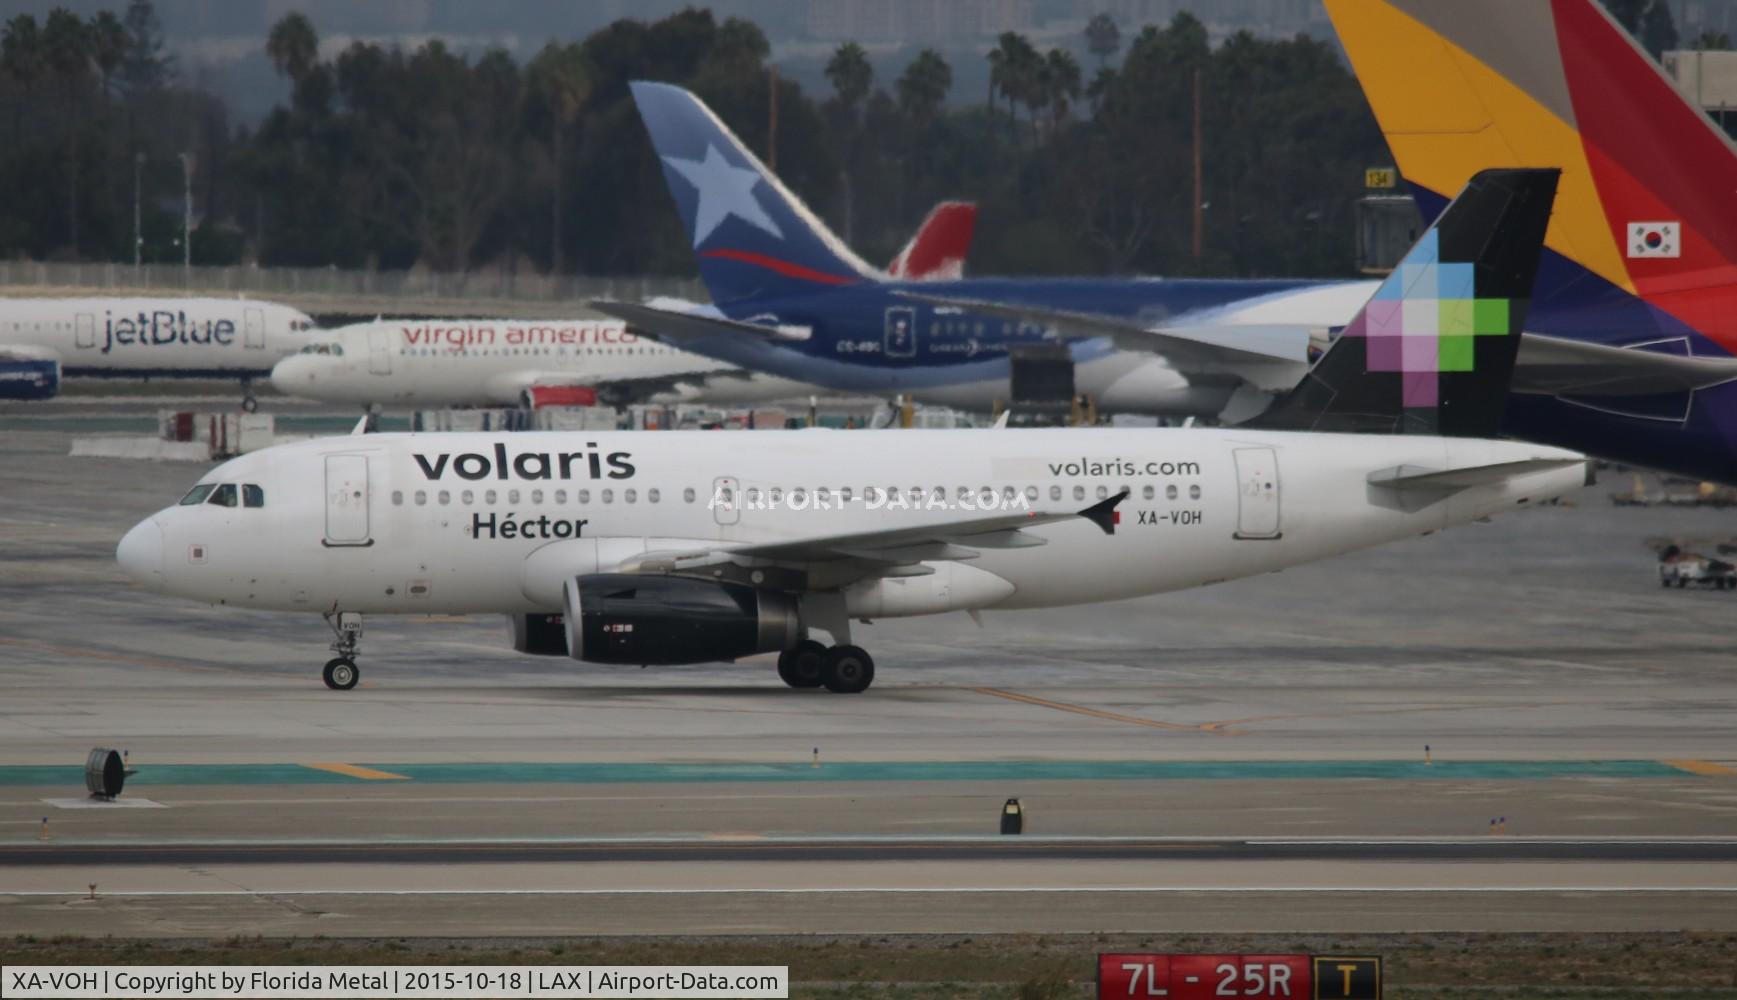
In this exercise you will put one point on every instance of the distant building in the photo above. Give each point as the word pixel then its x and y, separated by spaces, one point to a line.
pixel 1708 80
pixel 1262 17
pixel 1692 17
pixel 917 21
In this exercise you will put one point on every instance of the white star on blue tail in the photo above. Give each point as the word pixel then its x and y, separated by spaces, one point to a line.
pixel 724 191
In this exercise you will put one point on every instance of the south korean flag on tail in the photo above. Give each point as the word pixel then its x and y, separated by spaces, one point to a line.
pixel 1654 239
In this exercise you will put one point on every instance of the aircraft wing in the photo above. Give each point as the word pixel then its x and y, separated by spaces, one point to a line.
pixel 1558 366
pixel 877 552
pixel 673 325
pixel 626 391
pixel 1244 350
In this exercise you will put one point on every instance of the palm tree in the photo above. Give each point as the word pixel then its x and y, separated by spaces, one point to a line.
pixel 293 46
pixel 1103 38
pixel 1015 67
pixel 997 74
pixel 561 76
pixel 851 75
pixel 923 86
pixel 66 51
pixel 21 51
pixel 1062 83
pixel 108 45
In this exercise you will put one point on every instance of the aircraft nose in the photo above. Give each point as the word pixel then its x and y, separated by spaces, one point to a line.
pixel 291 374
pixel 141 552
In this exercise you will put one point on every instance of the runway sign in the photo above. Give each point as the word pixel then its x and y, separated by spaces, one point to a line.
pixel 1123 976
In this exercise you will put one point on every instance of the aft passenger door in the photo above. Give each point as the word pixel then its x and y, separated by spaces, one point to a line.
pixel 380 351
pixel 84 330
pixel 253 328
pixel 1257 496
pixel 347 501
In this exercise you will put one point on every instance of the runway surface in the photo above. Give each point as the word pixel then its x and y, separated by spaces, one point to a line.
pixel 1581 770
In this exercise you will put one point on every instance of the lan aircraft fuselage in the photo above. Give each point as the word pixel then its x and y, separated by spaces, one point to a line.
pixel 790 299
pixel 680 547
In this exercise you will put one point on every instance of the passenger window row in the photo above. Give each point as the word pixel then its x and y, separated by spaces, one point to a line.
pixel 753 495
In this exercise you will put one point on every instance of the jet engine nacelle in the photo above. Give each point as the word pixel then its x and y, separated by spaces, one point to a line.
pixel 538 635
pixel 28 373
pixel 634 619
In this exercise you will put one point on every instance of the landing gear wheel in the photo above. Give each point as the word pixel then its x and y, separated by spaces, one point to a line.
pixel 341 674
pixel 848 670
pixel 250 403
pixel 801 665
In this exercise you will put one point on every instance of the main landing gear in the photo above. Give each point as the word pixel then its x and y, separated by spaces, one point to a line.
pixel 840 669
pixel 341 673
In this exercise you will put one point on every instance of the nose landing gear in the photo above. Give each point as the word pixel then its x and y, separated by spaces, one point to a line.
pixel 249 402
pixel 341 673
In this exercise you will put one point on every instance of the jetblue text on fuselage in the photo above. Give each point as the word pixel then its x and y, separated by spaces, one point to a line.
pixel 156 329
pixel 536 465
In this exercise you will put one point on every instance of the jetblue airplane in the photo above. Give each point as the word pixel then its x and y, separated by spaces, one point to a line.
pixel 206 338
pixel 790 299
pixel 1641 256
pixel 633 549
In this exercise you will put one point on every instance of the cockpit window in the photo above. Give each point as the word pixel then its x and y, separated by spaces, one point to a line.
pixel 197 494
pixel 252 496
pixel 223 496
pixel 337 351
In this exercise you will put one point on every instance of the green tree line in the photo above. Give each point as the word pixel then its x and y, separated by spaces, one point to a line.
pixel 389 157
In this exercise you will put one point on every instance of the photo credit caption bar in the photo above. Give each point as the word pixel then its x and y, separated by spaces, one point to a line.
pixel 292 982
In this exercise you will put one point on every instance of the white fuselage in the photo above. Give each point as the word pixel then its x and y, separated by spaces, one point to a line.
pixel 419 523
pixel 187 338
pixel 483 362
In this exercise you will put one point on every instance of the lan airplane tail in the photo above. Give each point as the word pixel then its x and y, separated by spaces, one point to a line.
pixel 752 237
pixel 1433 352
pixel 937 250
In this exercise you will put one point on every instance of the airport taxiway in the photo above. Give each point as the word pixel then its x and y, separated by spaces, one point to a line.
pixel 1560 691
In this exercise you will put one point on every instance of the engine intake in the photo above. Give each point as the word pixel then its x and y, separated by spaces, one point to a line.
pixel 631 619
pixel 539 635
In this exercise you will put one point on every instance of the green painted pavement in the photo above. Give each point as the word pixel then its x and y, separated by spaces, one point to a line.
pixel 1000 770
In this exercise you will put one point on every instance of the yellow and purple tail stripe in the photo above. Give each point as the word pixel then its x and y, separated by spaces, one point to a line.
pixel 1644 205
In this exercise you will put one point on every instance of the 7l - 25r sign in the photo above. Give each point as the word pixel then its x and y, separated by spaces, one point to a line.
pixel 1250 977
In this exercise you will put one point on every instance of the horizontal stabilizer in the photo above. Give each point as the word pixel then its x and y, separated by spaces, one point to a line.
pixel 1414 477
pixel 676 325
pixel 1553 366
